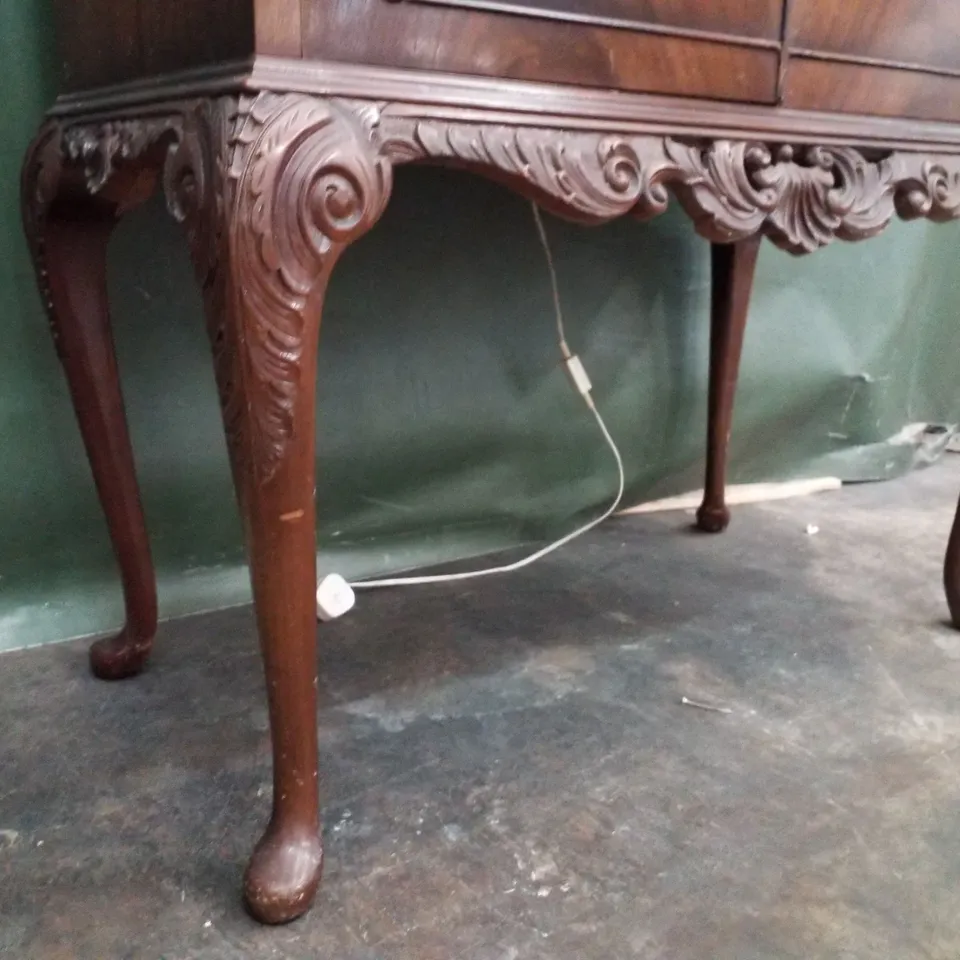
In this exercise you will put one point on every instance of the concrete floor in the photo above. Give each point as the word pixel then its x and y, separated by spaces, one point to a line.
pixel 509 772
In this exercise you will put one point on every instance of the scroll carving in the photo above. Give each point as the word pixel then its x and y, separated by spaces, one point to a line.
pixel 589 182
pixel 927 187
pixel 802 198
pixel 271 187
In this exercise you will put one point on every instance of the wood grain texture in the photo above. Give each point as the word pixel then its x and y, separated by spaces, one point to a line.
pixel 499 45
pixel 512 102
pixel 731 283
pixel 277 27
pixel 68 229
pixel 99 42
pixel 102 41
pixel 271 190
pixel 852 88
pixel 176 34
pixel 734 18
pixel 922 32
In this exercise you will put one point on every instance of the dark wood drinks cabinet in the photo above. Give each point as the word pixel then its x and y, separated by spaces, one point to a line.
pixel 274 126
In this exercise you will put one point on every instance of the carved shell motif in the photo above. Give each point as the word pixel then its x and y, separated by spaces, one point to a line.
pixel 827 193
pixel 801 199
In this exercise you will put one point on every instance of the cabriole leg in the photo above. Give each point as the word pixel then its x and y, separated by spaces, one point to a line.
pixel 68 228
pixel 272 189
pixel 732 266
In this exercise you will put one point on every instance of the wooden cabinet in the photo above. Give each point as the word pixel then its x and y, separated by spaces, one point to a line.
pixel 895 58
pixel 274 128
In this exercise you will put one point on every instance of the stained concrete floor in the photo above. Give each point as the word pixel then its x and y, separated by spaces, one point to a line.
pixel 509 772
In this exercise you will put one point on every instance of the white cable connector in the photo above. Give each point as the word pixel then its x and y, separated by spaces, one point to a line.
pixel 334 597
pixel 334 602
pixel 578 375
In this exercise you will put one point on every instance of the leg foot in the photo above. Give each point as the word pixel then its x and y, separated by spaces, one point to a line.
pixel 284 873
pixel 732 268
pixel 713 518
pixel 951 571
pixel 121 656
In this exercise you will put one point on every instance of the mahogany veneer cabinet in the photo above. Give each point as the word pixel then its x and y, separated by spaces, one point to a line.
pixel 274 127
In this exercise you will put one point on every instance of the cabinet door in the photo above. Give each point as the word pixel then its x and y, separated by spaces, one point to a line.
pixel 897 58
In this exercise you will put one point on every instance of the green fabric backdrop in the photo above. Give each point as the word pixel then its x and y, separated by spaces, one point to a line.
pixel 446 427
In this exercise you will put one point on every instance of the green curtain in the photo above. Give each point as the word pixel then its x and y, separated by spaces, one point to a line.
pixel 446 427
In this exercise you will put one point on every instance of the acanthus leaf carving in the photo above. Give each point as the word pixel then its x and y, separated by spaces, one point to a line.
pixel 863 196
pixel 717 187
pixel 801 197
pixel 294 179
pixel 591 178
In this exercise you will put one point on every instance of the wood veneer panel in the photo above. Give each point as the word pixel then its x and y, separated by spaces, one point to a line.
pixel 177 34
pixel 278 27
pixel 99 42
pixel 495 44
pixel 737 18
pixel 852 88
pixel 922 32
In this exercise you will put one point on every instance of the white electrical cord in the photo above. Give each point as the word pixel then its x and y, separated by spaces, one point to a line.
pixel 582 384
